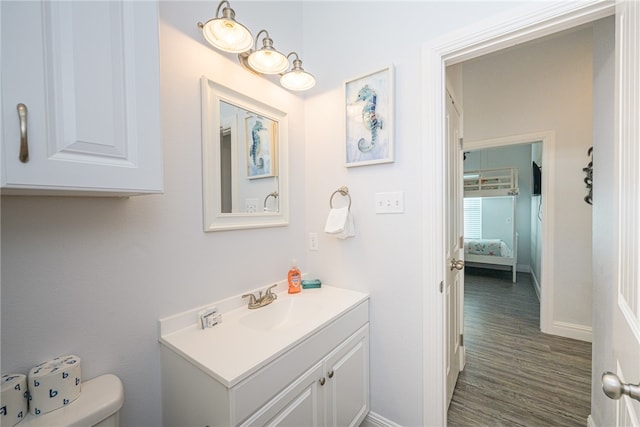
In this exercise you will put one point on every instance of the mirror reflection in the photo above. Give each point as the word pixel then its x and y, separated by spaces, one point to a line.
pixel 244 160
pixel 248 161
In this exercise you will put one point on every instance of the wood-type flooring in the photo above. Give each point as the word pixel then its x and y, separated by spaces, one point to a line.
pixel 515 375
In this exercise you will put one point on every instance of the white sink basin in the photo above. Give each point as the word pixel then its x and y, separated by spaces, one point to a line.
pixel 283 313
pixel 247 339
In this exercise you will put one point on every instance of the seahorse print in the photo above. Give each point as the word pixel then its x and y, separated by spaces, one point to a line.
pixel 255 144
pixel 369 117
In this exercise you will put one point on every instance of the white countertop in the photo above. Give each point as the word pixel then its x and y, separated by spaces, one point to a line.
pixel 247 340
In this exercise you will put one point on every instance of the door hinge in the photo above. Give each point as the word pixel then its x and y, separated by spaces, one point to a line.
pixel 461 340
pixel 461 142
pixel 461 242
pixel 441 285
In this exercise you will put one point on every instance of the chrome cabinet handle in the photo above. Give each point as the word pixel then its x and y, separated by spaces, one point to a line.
pixel 614 388
pixel 457 264
pixel 330 374
pixel 322 381
pixel 24 142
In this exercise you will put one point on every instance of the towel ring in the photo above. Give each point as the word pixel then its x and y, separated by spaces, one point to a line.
pixel 274 195
pixel 342 190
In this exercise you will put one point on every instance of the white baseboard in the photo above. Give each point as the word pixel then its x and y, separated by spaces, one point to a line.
pixel 590 422
pixel 374 420
pixel 571 330
pixel 536 284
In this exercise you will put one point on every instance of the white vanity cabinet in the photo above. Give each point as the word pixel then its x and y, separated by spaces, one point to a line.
pixel 320 378
pixel 80 95
pixel 334 392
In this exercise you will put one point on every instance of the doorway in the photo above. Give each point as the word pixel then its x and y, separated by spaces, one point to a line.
pixel 463 45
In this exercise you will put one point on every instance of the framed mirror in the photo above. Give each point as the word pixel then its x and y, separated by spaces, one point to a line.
pixel 244 161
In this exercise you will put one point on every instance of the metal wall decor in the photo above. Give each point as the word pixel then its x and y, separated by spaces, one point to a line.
pixel 588 180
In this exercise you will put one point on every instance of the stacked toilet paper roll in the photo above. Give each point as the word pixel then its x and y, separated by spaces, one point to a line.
pixel 54 384
pixel 14 404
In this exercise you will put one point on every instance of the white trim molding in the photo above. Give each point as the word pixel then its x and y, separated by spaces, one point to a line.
pixel 523 24
pixel 536 283
pixel 571 330
pixel 375 420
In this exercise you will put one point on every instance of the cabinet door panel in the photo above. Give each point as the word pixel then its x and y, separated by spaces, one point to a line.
pixel 22 82
pixel 347 389
pixel 300 404
pixel 85 54
pixel 88 73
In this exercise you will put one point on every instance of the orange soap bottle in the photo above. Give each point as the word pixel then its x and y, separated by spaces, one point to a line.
pixel 294 278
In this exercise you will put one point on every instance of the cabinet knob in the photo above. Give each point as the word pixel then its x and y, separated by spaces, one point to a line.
pixel 24 143
pixel 330 373
pixel 322 381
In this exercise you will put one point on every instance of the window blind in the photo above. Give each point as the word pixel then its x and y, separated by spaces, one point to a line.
pixel 473 218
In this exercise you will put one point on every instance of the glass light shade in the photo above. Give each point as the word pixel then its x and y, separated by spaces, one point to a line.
pixel 268 61
pixel 297 80
pixel 227 35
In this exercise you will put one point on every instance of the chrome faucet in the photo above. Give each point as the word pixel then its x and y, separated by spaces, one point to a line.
pixel 261 300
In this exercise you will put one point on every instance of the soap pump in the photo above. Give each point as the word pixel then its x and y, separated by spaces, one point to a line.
pixel 294 277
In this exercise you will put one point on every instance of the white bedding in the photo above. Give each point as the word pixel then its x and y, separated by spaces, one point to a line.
pixel 487 247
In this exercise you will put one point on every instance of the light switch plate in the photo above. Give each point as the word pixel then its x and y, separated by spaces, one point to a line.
pixel 390 202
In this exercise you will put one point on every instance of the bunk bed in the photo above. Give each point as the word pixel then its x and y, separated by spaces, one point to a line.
pixel 494 183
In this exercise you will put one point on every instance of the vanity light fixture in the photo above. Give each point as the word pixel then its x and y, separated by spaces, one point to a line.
pixel 226 34
pixel 267 60
pixel 297 78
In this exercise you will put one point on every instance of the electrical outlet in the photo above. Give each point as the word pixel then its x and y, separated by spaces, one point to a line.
pixel 313 241
pixel 392 202
pixel 251 205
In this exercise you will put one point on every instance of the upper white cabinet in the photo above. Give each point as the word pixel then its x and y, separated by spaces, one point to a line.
pixel 87 74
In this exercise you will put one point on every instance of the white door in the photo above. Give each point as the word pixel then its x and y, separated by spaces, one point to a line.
pixel 454 283
pixel 626 321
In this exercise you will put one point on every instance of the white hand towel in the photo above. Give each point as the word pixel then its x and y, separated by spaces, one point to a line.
pixel 337 220
pixel 349 229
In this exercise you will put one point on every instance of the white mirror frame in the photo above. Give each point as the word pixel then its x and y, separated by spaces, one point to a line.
pixel 214 218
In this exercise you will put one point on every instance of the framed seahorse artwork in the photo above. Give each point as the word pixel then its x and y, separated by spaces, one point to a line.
pixel 369 114
pixel 260 134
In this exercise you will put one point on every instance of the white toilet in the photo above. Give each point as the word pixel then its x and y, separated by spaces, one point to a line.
pixel 98 405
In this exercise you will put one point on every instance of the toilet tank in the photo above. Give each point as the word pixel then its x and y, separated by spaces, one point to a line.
pixel 98 405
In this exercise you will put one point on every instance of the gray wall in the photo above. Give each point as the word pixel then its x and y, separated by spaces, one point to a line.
pixel 92 276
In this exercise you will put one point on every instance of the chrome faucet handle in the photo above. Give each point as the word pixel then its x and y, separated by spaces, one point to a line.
pixel 252 298
pixel 271 294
